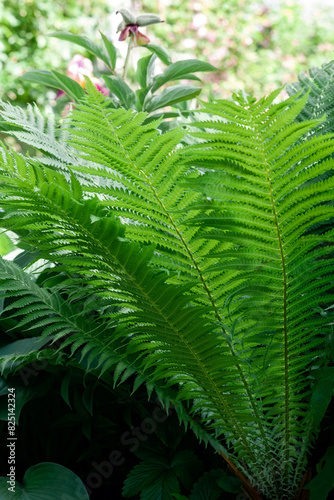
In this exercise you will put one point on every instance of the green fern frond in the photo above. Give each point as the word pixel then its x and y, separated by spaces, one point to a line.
pixel 155 314
pixel 265 205
pixel 31 127
pixel 203 259
pixel 319 86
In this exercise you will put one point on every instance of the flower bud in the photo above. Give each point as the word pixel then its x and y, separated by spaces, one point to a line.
pixel 127 15
pixel 146 19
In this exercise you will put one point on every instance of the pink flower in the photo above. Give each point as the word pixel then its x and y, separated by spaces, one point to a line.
pixel 77 69
pixel 130 23
pixel 132 29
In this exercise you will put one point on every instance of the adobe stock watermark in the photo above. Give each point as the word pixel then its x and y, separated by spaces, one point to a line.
pixel 36 366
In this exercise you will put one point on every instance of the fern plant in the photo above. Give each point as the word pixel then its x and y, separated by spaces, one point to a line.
pixel 319 86
pixel 201 260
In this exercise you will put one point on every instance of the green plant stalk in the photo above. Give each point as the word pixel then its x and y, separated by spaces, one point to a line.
pixel 127 59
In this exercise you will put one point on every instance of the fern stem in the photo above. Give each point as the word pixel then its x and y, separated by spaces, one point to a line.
pixel 285 328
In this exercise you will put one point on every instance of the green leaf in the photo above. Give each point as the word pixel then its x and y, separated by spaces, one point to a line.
pixel 187 467
pixel 71 87
pixel 65 389
pixel 111 49
pixel 45 480
pixel 163 488
pixel 6 244
pixel 323 483
pixel 23 392
pixel 19 348
pixel 142 74
pixel 153 479
pixel 206 487
pixel 140 98
pixel 181 69
pixel 171 96
pixel 161 53
pixel 89 45
pixel 230 484
pixel 56 80
pixel 121 90
pixel 40 76
pixel 322 395
pixel 88 397
pixel 25 258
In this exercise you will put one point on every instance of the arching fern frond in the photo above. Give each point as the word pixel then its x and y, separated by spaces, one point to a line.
pixel 204 257
pixel 31 127
pixel 156 318
pixel 257 164
pixel 62 323
pixel 319 84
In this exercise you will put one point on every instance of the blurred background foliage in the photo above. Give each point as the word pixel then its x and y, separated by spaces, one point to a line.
pixel 23 44
pixel 256 45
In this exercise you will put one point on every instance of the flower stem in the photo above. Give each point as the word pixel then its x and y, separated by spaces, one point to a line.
pixel 127 56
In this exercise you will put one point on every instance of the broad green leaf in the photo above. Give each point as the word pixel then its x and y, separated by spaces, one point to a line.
pixel 170 96
pixel 121 90
pixel 181 69
pixel 187 467
pixel 206 487
pixel 40 76
pixel 322 395
pixel 71 87
pixel 111 49
pixel 140 98
pixel 20 348
pixel 163 489
pixel 152 479
pixel 56 80
pixel 142 70
pixel 160 52
pixel 24 346
pixel 6 244
pixel 159 116
pixel 43 481
pixel 230 484
pixel 3 386
pixel 25 258
pixel 89 45
pixel 323 483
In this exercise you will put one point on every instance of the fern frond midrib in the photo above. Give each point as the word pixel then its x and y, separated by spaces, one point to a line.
pixel 286 358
